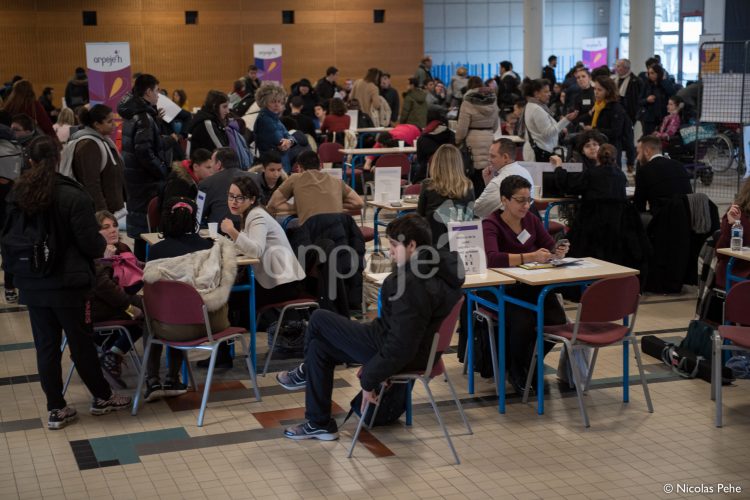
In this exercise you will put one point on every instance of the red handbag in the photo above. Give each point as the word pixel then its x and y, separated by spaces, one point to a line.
pixel 126 269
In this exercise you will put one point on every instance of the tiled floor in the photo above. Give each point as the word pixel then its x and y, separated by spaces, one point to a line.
pixel 240 451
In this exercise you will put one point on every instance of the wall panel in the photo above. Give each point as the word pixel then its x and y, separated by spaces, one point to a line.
pixel 44 40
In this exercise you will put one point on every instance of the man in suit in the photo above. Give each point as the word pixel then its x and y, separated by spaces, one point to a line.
pixel 629 87
pixel 548 72
pixel 658 179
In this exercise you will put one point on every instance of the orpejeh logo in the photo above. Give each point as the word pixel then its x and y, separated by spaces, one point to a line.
pixel 272 52
pixel 109 60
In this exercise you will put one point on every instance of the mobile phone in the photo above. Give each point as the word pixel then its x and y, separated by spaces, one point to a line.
pixel 561 242
pixel 396 204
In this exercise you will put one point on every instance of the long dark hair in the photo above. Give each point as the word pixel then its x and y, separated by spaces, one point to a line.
pixel 34 190
pixel 178 217
pixel 249 188
pixel 214 99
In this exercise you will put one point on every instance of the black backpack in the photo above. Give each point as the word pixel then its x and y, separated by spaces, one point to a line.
pixel 28 244
pixel 391 407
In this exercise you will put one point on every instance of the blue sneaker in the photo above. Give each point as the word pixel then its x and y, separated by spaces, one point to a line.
pixel 311 431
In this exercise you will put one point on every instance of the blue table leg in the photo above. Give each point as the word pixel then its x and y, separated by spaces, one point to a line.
pixel 625 367
pixel 501 349
pixel 376 225
pixel 470 340
pixel 253 326
pixel 409 410
pixel 540 350
pixel 547 212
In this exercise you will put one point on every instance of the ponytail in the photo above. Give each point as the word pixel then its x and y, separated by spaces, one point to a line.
pixel 97 114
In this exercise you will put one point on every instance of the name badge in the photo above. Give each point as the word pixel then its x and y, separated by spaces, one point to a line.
pixel 523 236
pixel 586 102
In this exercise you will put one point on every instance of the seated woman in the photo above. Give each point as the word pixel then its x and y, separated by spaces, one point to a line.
pixel 111 302
pixel 336 122
pixel 739 211
pixel 181 254
pixel 513 237
pixel 608 115
pixel 670 126
pixel 447 195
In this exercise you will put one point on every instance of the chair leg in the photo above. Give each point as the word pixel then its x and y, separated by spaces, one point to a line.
pixel 578 379
pixel 646 393
pixel 439 418
pixel 133 352
pixel 207 388
pixel 273 344
pixel 377 407
pixel 141 377
pixel 190 375
pixel 250 369
pixel 359 429
pixel 458 402
pixel 591 369
pixel 527 387
pixel 493 354
pixel 717 377
pixel 69 377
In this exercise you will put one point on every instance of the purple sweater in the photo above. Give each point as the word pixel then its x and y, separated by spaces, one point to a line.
pixel 500 240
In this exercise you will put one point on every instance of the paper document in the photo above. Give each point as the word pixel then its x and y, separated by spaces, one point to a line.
pixel 467 239
pixel 387 184
pixel 171 110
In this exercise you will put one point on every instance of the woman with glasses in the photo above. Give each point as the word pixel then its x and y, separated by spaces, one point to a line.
pixel 513 237
pixel 278 275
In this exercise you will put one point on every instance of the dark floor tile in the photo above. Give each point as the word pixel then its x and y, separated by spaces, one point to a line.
pixel 20 425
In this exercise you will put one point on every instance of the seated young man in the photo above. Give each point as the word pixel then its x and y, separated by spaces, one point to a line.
pixel 416 298
pixel 314 192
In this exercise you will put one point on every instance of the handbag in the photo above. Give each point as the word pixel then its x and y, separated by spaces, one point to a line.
pixel 465 151
pixel 126 269
pixel 540 155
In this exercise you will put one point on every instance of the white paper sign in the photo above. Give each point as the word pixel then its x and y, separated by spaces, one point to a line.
pixel 387 184
pixel 333 172
pixel 467 239
pixel 353 119
pixel 171 110
pixel 200 201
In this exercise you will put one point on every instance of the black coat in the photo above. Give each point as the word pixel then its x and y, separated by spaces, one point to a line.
pixel 76 241
pixel 202 127
pixel 631 101
pixel 548 73
pixel 658 181
pixel 394 101
pixel 656 111
pixel 412 310
pixel 179 184
pixel 583 102
pixel 145 156
pixel 435 207
pixel 613 122
pixel 325 89
pixel 426 147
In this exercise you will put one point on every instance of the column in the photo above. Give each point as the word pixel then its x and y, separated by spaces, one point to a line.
pixel 533 31
pixel 642 17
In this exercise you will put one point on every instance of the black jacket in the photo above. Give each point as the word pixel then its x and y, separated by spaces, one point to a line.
pixel 658 181
pixel 613 122
pixel 548 73
pixel 179 184
pixel 584 102
pixel 146 162
pixel 77 92
pixel 593 184
pixel 412 310
pixel 201 128
pixel 427 144
pixel 76 241
pixel 632 98
pixel 325 89
pixel 305 124
pixel 394 101
pixel 436 209
pixel 654 112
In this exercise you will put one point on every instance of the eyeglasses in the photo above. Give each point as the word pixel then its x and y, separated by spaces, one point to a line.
pixel 238 199
pixel 522 200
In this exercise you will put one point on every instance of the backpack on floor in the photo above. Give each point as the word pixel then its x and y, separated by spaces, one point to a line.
pixel 391 407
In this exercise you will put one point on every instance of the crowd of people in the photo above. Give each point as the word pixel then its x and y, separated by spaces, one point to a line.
pixel 250 155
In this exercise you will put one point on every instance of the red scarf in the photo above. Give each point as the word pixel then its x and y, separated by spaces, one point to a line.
pixel 188 168
pixel 431 126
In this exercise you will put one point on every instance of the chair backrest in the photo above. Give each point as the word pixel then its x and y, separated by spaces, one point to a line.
pixel 413 189
pixel 448 326
pixel 328 152
pixel 173 303
pixel 153 217
pixel 736 307
pixel 610 299
pixel 395 160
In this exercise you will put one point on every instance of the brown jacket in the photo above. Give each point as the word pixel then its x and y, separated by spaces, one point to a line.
pixel 367 94
pixel 104 186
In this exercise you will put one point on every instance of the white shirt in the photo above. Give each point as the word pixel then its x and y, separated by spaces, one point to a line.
pixel 543 129
pixel 489 201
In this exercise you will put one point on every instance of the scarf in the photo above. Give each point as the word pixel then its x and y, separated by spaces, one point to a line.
pixel 431 126
pixel 540 104
pixel 623 84
pixel 598 107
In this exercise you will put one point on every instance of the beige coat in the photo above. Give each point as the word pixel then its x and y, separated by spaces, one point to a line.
pixel 367 94
pixel 478 119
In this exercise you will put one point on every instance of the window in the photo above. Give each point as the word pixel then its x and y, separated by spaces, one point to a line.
pixel 191 17
pixel 89 18
pixel 378 16
pixel 287 17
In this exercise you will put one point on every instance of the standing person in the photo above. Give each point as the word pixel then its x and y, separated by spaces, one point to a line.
pixel 57 299
pixel 270 133
pixel 585 98
pixel 609 117
pixel 478 120
pixel 629 88
pixel 502 164
pixel 144 150
pixel 251 81
pixel 542 130
pixel 93 149
pixel 22 100
pixel 77 90
pixel 180 98
pixel 208 128
pixel 390 95
pixel 457 86
pixel 65 121
pixel 46 101
pixel 303 90
pixel 366 92
pixel 422 75
pixel 654 98
pixel 435 134
pixel 548 72
pixel 447 195
pixel 326 87
pixel 507 86
pixel 414 111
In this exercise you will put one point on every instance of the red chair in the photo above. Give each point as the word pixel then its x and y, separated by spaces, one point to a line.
pixel 328 152
pixel 412 189
pixel 153 217
pixel 177 303
pixel 300 304
pixel 435 367
pixel 735 311
pixel 602 305
pixel 396 160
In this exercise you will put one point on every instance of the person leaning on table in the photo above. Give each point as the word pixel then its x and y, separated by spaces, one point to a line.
pixel 512 237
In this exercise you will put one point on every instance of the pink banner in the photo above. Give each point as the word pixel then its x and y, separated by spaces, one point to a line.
pixel 109 77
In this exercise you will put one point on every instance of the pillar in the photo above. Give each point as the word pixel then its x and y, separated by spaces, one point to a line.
pixel 533 31
pixel 642 18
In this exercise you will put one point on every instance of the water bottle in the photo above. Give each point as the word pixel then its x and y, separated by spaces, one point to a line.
pixel 737 234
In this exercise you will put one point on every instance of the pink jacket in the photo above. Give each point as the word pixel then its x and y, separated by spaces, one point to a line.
pixel 669 126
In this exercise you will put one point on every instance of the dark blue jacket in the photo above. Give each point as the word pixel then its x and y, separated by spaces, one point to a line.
pixel 269 131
